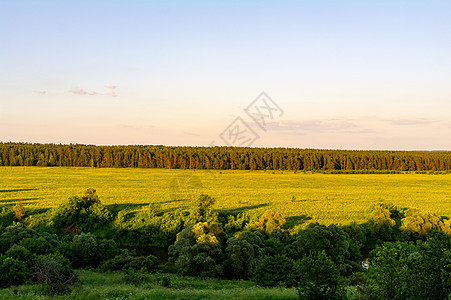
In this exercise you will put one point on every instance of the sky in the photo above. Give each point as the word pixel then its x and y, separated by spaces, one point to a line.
pixel 336 74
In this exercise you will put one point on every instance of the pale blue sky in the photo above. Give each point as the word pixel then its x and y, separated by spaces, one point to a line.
pixel 348 74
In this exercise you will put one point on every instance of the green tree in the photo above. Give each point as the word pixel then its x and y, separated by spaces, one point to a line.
pixel 320 278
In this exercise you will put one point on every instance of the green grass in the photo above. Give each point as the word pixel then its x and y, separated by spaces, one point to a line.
pixel 327 198
pixel 95 285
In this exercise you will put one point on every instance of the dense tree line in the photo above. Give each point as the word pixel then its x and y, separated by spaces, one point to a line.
pixel 220 158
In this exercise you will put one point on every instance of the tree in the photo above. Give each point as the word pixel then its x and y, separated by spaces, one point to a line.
pixel 278 270
pixel 269 221
pixel 320 278
pixel 203 210
pixel 244 252
pixel 317 238
pixel 197 249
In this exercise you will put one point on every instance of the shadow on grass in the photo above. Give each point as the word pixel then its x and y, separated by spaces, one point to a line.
pixel 18 199
pixel 172 201
pixel 242 209
pixel 295 220
pixel 17 190
pixel 124 206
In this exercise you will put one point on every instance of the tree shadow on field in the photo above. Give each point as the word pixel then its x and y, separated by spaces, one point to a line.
pixel 17 190
pixel 239 210
pixel 172 201
pixel 10 202
pixel 115 208
pixel 295 220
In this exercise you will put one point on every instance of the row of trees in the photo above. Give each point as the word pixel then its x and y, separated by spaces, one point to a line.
pixel 237 158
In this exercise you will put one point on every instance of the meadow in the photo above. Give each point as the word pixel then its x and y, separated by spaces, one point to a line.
pixel 326 198
pixel 109 285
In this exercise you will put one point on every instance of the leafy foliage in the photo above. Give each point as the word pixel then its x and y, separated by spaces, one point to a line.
pixel 278 270
pixel 317 238
pixel 54 271
pixel 84 212
pixel 196 249
pixel 244 252
pixel 12 271
pixel 320 278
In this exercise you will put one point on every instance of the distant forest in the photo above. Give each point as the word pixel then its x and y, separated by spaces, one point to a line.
pixel 220 158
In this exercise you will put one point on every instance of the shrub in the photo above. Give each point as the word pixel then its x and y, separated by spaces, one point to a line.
pixel 316 238
pixel 136 277
pixel 84 212
pixel 197 249
pixel 21 253
pixel 125 261
pixel 278 270
pixel 244 252
pixel 404 270
pixel 107 249
pixel 269 221
pixel 320 278
pixel 13 235
pixel 19 211
pixel 12 272
pixel 54 271
pixel 164 280
pixel 203 210
pixel 37 245
pixel 84 250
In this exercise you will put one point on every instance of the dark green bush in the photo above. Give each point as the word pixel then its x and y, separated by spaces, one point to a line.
pixel 278 270
pixel 244 252
pixel 12 272
pixel 54 271
pixel 404 270
pixel 316 238
pixel 320 278
pixel 37 245
pixel 164 280
pixel 136 277
pixel 125 261
pixel 21 253
pixel 84 250
pixel 107 249
pixel 13 235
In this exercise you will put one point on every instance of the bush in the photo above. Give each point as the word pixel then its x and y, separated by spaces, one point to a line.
pixel 54 271
pixel 125 261
pixel 21 253
pixel 244 252
pixel 12 272
pixel 316 238
pixel 278 270
pixel 84 250
pixel 13 235
pixel 37 245
pixel 197 249
pixel 164 280
pixel 320 278
pixel 81 213
pixel 404 270
pixel 107 249
pixel 203 210
pixel 136 277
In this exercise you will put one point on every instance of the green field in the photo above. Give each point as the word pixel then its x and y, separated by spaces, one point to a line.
pixel 96 285
pixel 326 198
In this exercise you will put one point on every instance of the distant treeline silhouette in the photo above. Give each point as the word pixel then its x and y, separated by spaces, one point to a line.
pixel 220 158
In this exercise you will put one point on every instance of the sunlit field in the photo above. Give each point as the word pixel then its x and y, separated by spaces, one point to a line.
pixel 326 198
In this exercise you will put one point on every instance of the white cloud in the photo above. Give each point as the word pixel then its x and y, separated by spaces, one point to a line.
pixel 79 91
pixel 110 86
